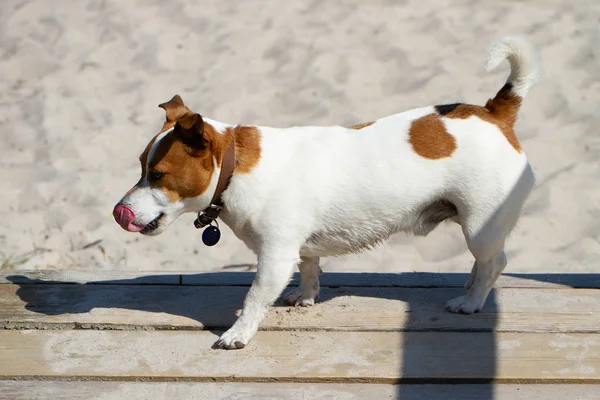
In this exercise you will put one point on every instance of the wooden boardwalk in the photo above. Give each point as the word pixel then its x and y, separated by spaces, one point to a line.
pixel 76 335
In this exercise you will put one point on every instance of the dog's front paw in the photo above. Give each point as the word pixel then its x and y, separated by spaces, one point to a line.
pixel 464 305
pixel 297 297
pixel 234 338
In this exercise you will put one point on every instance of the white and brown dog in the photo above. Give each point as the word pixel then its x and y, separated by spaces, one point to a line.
pixel 296 194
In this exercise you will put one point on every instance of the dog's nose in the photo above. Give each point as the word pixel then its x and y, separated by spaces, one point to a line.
pixel 125 217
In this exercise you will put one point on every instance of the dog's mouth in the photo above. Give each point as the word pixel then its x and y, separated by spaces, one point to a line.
pixel 152 226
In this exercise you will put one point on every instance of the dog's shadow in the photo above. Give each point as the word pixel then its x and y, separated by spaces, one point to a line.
pixel 214 299
pixel 198 305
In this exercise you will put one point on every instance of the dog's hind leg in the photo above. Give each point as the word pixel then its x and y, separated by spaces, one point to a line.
pixel 486 274
pixel 308 291
pixel 487 219
pixel 485 236
pixel 486 226
pixel 472 277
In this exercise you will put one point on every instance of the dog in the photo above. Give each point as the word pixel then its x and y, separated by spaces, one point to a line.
pixel 296 194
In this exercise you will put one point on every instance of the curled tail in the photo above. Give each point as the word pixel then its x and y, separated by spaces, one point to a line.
pixel 524 72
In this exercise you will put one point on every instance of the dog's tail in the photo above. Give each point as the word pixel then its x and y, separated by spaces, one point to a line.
pixel 524 72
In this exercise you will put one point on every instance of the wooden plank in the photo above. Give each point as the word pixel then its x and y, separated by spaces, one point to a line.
pixel 35 390
pixel 341 309
pixel 332 279
pixel 379 357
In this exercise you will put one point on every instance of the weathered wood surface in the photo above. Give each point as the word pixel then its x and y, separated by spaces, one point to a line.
pixel 349 279
pixel 380 357
pixel 342 309
pixel 36 390
pixel 61 338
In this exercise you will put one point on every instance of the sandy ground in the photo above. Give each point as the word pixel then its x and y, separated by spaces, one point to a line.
pixel 80 82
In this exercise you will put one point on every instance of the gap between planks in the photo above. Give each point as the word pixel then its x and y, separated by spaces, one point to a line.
pixel 355 380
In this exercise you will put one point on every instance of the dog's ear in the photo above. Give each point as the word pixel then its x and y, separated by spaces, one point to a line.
pixel 175 108
pixel 190 129
pixel 189 126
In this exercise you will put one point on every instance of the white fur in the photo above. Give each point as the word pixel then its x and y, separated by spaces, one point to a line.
pixel 322 191
pixel 220 127
pixel 523 60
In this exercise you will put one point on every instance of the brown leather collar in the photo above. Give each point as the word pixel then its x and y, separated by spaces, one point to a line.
pixel 211 213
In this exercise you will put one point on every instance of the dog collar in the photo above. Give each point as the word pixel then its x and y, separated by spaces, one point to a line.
pixel 211 213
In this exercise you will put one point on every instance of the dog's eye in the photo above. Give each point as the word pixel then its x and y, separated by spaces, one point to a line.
pixel 155 175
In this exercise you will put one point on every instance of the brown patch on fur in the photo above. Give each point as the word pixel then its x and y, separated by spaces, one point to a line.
pixel 186 173
pixel 247 148
pixel 429 138
pixel 501 111
pixel 361 126
pixel 186 157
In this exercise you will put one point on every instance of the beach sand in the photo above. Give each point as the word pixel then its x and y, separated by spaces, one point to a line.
pixel 80 83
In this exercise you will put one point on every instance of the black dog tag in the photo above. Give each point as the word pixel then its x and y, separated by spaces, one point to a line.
pixel 211 235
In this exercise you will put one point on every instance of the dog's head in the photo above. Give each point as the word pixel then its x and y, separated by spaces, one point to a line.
pixel 180 170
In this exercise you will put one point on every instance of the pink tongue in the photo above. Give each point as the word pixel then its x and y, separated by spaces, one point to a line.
pixel 125 217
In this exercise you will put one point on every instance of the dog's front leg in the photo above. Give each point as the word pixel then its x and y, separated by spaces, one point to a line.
pixel 273 274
